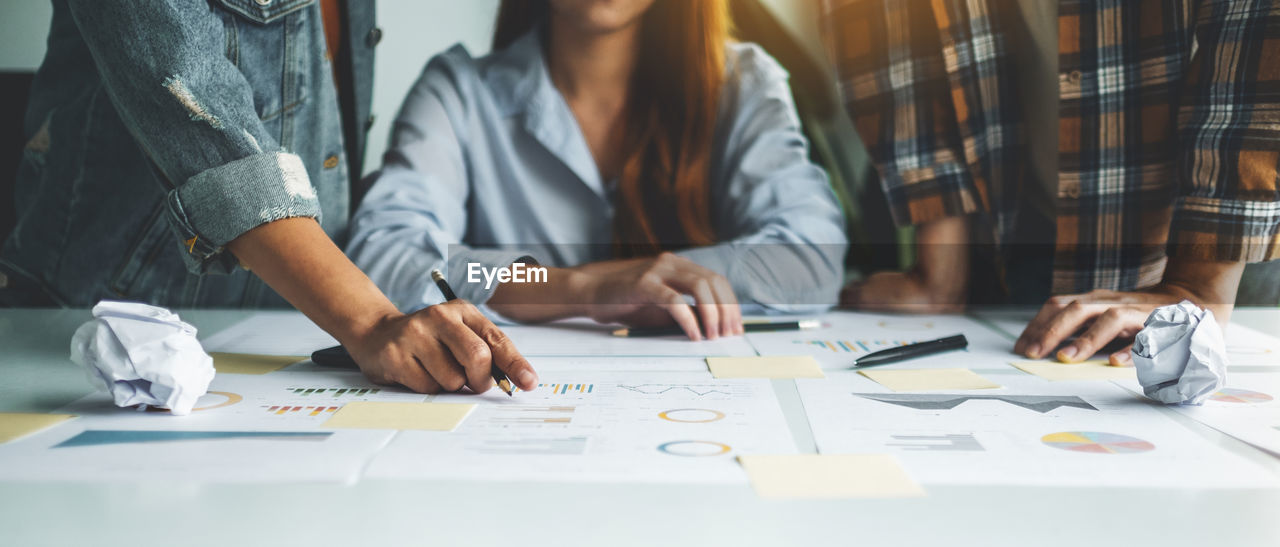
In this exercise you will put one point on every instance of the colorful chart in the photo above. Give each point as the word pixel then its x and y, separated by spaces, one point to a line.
pixel 287 410
pixel 567 389
pixel 853 346
pixel 1233 395
pixel 334 391
pixel 1096 442
pixel 99 437
pixel 693 449
pixel 691 415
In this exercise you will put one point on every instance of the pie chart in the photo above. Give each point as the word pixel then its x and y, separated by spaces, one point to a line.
pixel 1096 442
pixel 1233 395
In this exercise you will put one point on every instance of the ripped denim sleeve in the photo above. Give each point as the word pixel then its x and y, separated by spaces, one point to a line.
pixel 219 204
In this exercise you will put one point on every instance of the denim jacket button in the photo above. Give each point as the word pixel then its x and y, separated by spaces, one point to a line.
pixel 331 162
pixel 263 3
pixel 374 37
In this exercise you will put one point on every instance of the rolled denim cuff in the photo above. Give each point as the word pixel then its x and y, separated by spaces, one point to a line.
pixel 490 259
pixel 218 205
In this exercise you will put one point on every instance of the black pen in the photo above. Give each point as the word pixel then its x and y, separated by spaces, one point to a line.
pixel 499 377
pixel 911 351
pixel 337 356
pixel 747 326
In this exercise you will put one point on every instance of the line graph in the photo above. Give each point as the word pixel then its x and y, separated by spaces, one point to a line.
pixel 674 389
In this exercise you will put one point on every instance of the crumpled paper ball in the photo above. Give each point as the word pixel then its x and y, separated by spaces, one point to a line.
pixel 1180 354
pixel 143 355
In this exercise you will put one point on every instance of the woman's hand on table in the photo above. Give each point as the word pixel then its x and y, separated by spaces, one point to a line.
pixel 638 292
pixel 646 292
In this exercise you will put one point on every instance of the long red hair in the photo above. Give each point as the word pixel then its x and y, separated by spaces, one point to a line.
pixel 671 120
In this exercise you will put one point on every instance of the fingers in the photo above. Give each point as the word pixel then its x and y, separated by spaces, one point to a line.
pixel 416 378
pixel 1058 319
pixel 1110 325
pixel 707 308
pixel 730 311
pixel 464 347
pixel 716 303
pixel 505 355
pixel 1122 358
pixel 675 305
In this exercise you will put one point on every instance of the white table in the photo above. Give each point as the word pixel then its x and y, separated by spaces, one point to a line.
pixel 36 376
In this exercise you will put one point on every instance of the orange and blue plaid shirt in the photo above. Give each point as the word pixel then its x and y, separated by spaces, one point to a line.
pixel 1169 125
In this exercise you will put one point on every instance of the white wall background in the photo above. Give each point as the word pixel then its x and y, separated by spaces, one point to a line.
pixel 413 31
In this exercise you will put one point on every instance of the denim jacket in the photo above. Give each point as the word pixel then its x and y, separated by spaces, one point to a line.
pixel 160 131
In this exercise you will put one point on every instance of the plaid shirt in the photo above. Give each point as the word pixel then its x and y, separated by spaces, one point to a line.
pixel 1169 125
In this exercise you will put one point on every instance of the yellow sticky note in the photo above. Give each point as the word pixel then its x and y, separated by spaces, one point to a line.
pixel 827 476
pixel 1097 369
pixel 929 379
pixel 421 416
pixel 14 425
pixel 249 363
pixel 787 366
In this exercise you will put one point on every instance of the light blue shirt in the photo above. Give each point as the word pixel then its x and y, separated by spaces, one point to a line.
pixel 487 165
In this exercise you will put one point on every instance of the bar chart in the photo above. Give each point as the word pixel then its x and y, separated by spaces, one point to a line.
pixel 294 410
pixel 334 392
pixel 853 346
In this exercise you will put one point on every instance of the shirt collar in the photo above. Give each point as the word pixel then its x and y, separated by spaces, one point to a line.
pixel 522 88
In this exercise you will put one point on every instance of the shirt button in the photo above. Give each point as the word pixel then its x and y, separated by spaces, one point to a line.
pixel 263 3
pixel 331 162
pixel 1074 76
pixel 374 37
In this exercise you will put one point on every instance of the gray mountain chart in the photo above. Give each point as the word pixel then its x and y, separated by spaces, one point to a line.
pixel 931 401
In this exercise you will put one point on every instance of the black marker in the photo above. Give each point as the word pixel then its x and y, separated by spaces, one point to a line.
pixel 911 351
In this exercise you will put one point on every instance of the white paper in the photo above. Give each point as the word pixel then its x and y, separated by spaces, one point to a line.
pixel 845 336
pixel 601 426
pixel 271 333
pixel 266 428
pixel 291 333
pixel 1180 355
pixel 583 337
pixel 551 363
pixel 1014 435
pixel 102 452
pixel 1247 409
pixel 1246 346
pixel 142 354
pixel 276 401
